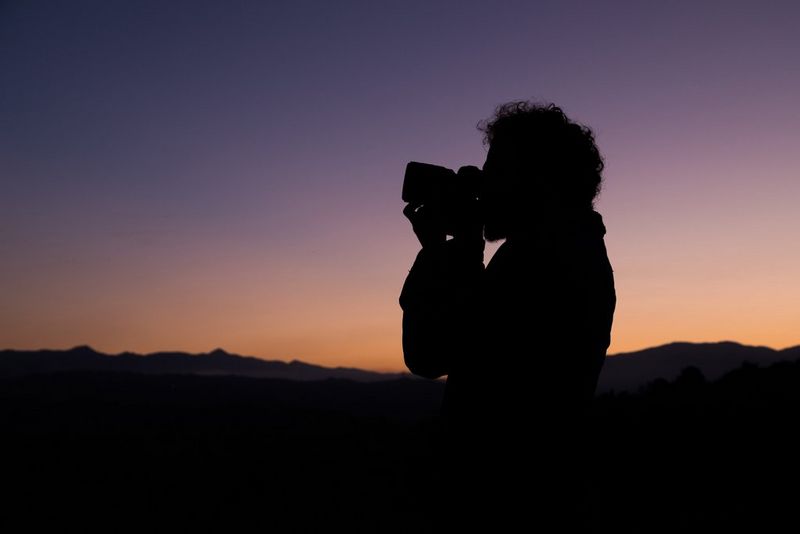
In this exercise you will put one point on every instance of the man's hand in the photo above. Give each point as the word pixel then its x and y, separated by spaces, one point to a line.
pixel 427 223
pixel 461 217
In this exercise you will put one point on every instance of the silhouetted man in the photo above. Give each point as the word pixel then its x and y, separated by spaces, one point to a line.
pixel 522 341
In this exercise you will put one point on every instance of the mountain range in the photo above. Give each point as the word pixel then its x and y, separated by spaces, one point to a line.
pixel 628 371
pixel 217 362
pixel 621 372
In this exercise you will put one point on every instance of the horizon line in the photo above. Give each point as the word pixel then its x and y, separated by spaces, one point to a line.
pixel 382 371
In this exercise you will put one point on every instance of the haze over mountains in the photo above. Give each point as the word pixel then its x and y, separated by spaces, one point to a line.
pixel 621 372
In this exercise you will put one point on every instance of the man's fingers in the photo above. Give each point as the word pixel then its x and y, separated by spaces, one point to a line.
pixel 427 223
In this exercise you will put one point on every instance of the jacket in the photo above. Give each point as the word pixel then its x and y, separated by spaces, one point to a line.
pixel 530 329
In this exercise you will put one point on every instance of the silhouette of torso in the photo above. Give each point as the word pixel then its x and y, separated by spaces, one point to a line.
pixel 522 342
pixel 545 308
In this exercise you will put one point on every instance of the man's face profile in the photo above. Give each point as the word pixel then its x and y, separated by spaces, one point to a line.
pixel 500 176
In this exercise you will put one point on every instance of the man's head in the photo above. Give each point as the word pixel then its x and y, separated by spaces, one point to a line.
pixel 540 164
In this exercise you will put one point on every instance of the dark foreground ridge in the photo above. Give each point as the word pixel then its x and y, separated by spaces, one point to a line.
pixel 118 451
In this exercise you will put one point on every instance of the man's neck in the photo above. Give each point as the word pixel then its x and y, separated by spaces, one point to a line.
pixel 551 224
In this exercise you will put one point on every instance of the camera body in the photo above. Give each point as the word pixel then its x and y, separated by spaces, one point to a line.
pixel 432 184
pixel 452 196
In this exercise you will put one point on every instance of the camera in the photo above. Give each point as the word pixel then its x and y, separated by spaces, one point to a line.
pixel 431 184
pixel 452 195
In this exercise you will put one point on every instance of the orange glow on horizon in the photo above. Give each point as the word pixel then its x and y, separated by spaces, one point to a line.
pixel 243 192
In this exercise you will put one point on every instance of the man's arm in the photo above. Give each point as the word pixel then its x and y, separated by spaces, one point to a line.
pixel 441 305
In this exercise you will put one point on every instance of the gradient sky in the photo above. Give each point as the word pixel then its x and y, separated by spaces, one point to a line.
pixel 188 175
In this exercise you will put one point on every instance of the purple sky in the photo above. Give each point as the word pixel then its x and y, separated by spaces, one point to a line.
pixel 186 175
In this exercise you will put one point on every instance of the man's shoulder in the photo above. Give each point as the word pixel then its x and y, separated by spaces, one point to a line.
pixel 559 255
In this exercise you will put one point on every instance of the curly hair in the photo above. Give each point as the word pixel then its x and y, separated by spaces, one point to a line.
pixel 546 139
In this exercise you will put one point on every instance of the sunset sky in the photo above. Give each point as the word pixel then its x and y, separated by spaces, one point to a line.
pixel 185 175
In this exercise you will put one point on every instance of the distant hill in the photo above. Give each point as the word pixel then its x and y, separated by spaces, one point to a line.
pixel 621 372
pixel 628 371
pixel 217 362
